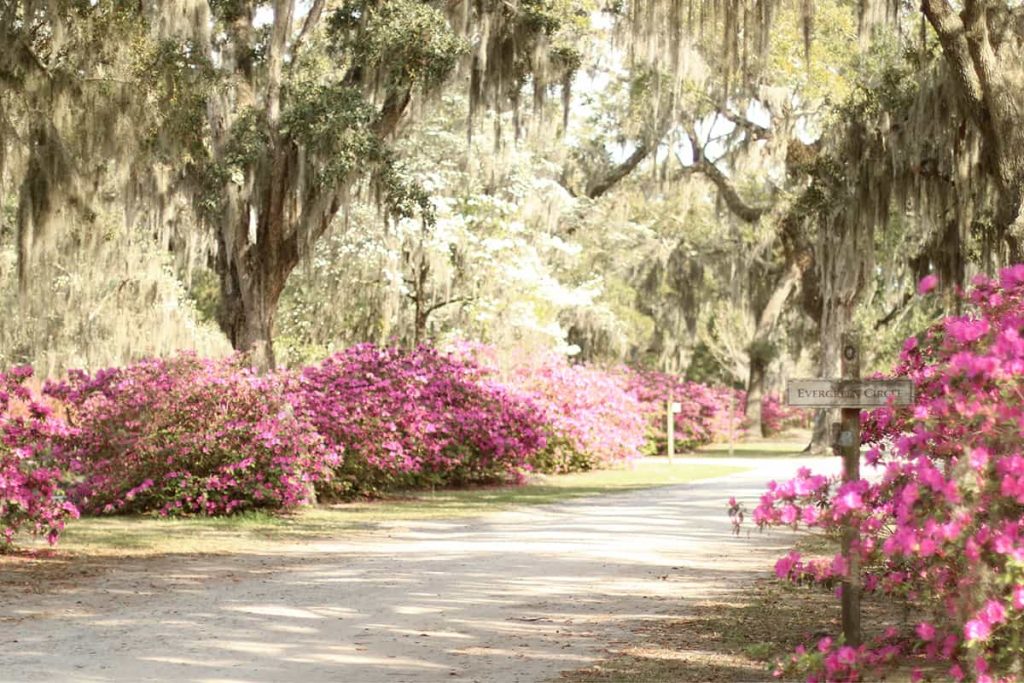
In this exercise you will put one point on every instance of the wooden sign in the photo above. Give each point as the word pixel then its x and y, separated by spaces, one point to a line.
pixel 848 393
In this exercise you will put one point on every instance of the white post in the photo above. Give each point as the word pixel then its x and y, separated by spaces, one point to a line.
pixel 671 428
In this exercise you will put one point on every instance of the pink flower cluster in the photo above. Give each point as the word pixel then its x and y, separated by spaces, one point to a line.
pixel 708 414
pixel 31 497
pixel 593 419
pixel 800 500
pixel 832 660
pixel 186 435
pixel 942 523
pixel 777 417
pixel 193 436
pixel 597 415
pixel 415 418
pixel 823 572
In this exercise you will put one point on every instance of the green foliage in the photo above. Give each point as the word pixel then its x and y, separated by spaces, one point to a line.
pixel 405 41
pixel 544 15
pixel 764 350
pixel 705 368
pixel 177 78
pixel 210 180
pixel 560 456
pixel 567 58
pixel 403 195
pixel 248 141
pixel 227 10
pixel 886 80
pixel 334 123
pixel 826 76
pixel 204 295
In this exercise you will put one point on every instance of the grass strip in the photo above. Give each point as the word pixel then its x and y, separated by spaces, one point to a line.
pixel 148 535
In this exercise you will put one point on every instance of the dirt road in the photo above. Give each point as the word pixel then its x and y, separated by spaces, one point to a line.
pixel 514 596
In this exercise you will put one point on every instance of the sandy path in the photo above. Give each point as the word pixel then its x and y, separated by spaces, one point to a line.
pixel 515 596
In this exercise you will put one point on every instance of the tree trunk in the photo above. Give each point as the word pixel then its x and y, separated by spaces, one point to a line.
pixel 1008 219
pixel 991 94
pixel 821 438
pixel 248 308
pixel 760 350
pixel 419 331
pixel 845 259
pixel 254 329
pixel 755 392
pixel 421 310
pixel 253 273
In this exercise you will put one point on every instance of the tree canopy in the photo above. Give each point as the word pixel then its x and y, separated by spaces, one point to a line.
pixel 717 189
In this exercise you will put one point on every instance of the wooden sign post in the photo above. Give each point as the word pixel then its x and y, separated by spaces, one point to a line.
pixel 850 394
pixel 849 448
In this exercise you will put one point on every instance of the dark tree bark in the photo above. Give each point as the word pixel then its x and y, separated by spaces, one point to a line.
pixel 728 192
pixel 251 283
pixel 845 259
pixel 601 185
pixel 421 311
pixel 830 336
pixel 768 318
pixel 755 391
pixel 981 44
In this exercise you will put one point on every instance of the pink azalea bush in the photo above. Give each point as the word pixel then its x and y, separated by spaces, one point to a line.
pixel 843 662
pixel 593 419
pixel 943 525
pixel 709 414
pixel 31 497
pixel 415 418
pixel 777 417
pixel 191 436
pixel 187 435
